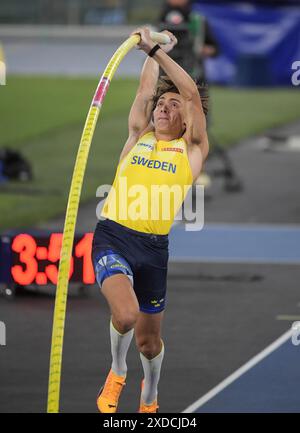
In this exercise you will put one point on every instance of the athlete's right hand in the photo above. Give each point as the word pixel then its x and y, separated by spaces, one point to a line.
pixel 146 44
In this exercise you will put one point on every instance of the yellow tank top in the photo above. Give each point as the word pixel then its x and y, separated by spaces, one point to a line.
pixel 150 185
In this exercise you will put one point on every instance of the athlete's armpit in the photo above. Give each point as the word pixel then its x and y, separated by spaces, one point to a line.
pixel 195 120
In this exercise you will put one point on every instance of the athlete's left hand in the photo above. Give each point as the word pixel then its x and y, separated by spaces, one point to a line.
pixel 146 44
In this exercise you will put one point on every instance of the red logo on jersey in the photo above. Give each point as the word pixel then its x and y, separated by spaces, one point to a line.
pixel 172 149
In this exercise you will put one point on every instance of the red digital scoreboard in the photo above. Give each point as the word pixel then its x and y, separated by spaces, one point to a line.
pixel 33 258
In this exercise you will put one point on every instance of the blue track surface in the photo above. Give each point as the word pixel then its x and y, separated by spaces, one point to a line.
pixel 236 244
pixel 273 385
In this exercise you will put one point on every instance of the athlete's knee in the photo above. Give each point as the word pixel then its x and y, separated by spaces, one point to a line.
pixel 149 346
pixel 125 319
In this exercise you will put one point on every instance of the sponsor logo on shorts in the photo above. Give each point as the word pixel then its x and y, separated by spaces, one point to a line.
pixel 156 303
pixel 118 265
pixel 111 262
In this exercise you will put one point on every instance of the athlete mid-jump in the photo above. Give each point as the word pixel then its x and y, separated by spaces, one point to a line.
pixel 166 147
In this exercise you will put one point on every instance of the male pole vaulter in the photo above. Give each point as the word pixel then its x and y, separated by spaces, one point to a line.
pixel 167 146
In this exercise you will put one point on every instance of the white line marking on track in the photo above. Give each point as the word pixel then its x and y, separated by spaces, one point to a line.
pixel 234 376
pixel 288 317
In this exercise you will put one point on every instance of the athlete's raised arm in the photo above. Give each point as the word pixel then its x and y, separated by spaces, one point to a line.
pixel 140 113
pixel 194 115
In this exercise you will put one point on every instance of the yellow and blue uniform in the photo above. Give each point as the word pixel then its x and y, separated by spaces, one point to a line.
pixel 150 185
pixel 150 165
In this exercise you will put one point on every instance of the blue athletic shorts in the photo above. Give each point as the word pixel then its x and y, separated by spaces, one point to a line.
pixel 142 257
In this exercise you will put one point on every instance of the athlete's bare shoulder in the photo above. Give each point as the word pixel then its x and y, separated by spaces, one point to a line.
pixel 150 128
pixel 133 138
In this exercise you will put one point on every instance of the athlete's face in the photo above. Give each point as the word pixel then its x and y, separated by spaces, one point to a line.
pixel 168 114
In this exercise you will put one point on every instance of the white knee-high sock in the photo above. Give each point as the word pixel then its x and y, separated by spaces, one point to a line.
pixel 151 375
pixel 119 347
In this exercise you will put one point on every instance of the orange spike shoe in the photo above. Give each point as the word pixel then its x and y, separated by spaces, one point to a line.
pixel 147 408
pixel 108 396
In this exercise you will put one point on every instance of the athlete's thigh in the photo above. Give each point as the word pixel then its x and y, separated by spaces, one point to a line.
pixel 120 295
pixel 115 276
pixel 148 326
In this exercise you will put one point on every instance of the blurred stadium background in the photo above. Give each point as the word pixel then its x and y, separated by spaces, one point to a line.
pixel 54 52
